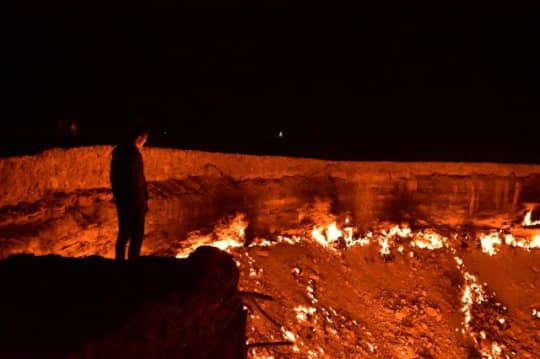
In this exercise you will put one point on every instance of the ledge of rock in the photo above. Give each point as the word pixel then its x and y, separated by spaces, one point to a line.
pixel 57 307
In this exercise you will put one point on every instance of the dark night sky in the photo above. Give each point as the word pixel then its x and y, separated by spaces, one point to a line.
pixel 379 80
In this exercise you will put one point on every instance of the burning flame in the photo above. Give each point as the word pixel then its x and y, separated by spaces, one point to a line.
pixel 318 235
pixel 512 241
pixel 488 243
pixel 429 241
pixel 230 234
pixel 385 248
pixel 333 233
pixel 226 235
pixel 527 220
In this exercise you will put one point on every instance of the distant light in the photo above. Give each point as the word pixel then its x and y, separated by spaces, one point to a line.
pixel 280 135
pixel 164 132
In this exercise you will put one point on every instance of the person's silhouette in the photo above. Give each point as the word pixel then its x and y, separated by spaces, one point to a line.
pixel 130 193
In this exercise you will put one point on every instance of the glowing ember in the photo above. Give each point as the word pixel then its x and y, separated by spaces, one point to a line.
pixel 536 313
pixel 372 347
pixel 527 220
pixel 396 230
pixel 258 242
pixel 350 241
pixel 289 240
pixel 288 335
pixel 495 352
pixel 302 312
pixel 472 293
pixel 311 294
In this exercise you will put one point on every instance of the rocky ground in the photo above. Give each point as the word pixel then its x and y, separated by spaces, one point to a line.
pixel 395 292
pixel 434 262
pixel 355 303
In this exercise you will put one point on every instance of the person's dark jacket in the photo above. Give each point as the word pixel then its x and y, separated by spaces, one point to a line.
pixel 128 181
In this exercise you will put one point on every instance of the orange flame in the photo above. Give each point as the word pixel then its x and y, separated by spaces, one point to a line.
pixel 229 235
pixel 429 241
pixel 512 241
pixel 226 235
pixel 527 220
pixel 489 242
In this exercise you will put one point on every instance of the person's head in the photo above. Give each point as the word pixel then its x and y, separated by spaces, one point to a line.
pixel 138 136
pixel 140 140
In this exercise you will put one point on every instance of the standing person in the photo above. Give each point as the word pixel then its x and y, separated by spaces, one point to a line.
pixel 130 193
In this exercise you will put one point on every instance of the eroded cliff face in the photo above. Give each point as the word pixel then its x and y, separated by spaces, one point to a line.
pixel 59 201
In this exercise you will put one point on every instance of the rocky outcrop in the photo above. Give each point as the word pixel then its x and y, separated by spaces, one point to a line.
pixel 56 307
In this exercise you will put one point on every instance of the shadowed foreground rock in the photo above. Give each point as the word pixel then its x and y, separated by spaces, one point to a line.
pixel 56 307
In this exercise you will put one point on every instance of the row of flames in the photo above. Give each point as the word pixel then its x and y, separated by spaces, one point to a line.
pixel 228 235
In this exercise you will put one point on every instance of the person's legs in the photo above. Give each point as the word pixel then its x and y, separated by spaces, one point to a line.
pixel 123 235
pixel 137 235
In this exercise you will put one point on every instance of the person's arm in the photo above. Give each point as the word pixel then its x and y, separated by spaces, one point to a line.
pixel 145 195
pixel 145 190
pixel 138 191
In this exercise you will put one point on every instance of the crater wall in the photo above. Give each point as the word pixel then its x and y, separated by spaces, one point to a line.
pixel 60 202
